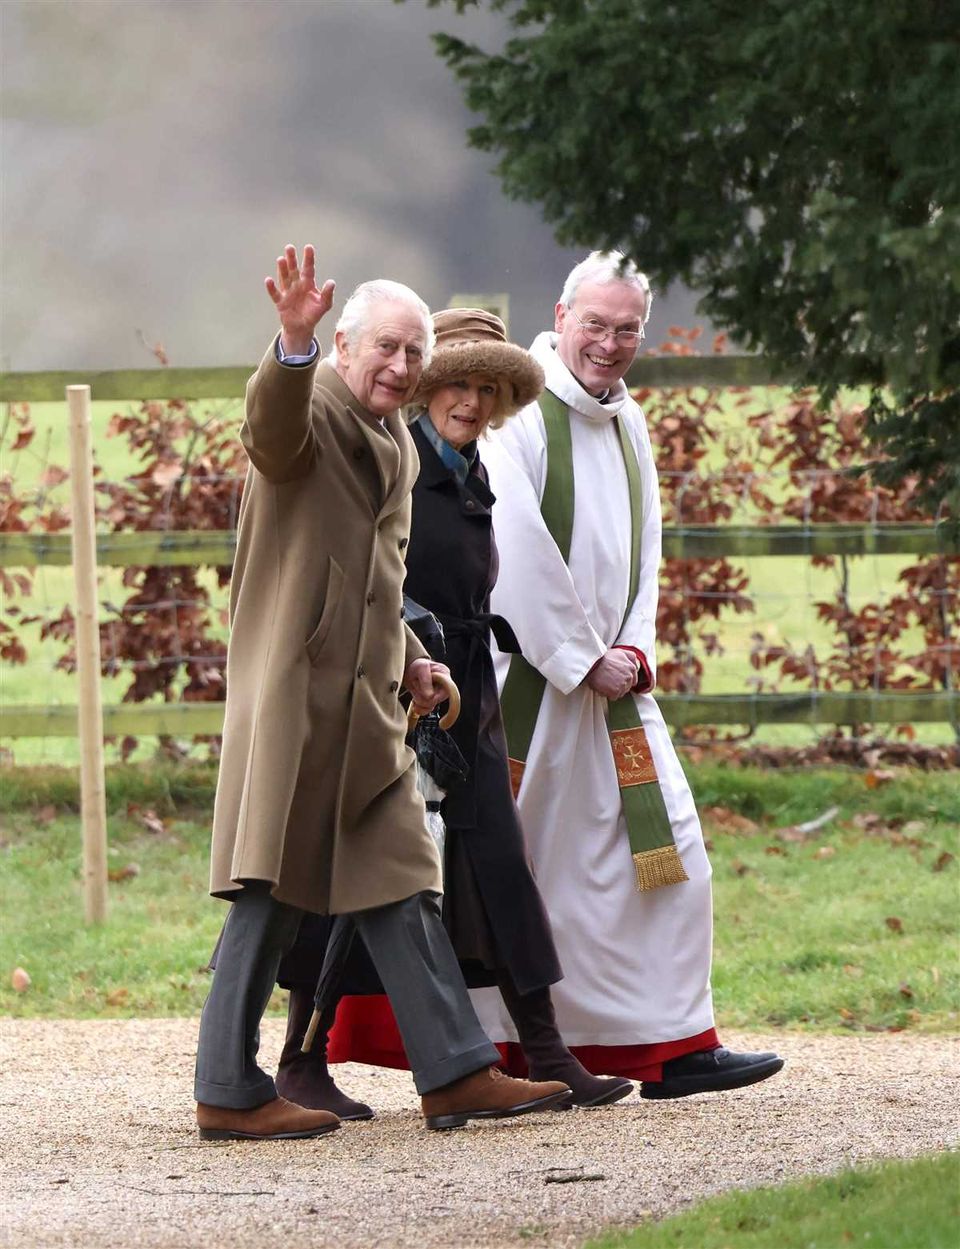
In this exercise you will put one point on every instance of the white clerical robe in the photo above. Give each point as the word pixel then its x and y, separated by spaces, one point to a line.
pixel 636 965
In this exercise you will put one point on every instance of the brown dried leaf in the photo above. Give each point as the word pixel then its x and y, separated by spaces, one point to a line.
pixel 53 475
pixel 20 980
pixel 46 814
pixel 777 850
pixel 824 852
pixel 942 861
pixel 167 473
pixel 894 923
pixel 739 868
pixel 124 873
pixel 877 777
pixel 905 990
pixel 732 822
pixel 852 970
pixel 117 997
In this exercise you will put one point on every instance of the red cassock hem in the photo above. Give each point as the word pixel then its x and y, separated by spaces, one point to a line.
pixel 366 1032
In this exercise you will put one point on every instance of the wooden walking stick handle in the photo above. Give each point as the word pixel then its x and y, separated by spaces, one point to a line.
pixel 310 1034
pixel 453 696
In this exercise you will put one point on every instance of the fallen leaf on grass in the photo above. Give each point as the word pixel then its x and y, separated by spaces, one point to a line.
pixel 877 777
pixel 46 814
pixel 852 969
pixel 117 997
pixel 20 980
pixel 727 821
pixel 124 873
pixel 740 869
pixel 942 861
pixel 779 850
pixel 905 990
pixel 894 923
pixel 846 1015
pixel 825 852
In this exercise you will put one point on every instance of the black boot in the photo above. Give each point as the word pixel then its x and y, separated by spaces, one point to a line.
pixel 304 1078
pixel 547 1056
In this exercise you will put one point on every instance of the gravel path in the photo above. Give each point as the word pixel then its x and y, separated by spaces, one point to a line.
pixel 100 1150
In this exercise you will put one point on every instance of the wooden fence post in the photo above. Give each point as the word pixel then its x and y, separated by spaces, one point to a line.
pixel 93 806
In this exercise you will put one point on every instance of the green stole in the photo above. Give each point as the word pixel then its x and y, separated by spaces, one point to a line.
pixel 655 856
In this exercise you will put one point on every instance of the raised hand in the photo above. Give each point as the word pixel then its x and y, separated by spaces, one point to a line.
pixel 299 302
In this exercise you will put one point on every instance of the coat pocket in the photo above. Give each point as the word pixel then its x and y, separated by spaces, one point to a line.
pixel 331 606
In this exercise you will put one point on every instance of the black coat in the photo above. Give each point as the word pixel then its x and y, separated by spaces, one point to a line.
pixel 490 897
pixel 492 907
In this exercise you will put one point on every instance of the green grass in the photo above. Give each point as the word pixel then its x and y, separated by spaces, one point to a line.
pixel 852 927
pixel 802 939
pixel 896 1205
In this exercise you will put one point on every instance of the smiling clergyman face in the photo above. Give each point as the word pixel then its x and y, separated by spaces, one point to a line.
pixel 618 306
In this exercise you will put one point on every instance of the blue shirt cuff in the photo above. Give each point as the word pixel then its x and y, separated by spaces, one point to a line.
pixel 294 361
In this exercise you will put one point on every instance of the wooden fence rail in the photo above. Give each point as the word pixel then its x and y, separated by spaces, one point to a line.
pixel 217 546
pixel 679 710
pixel 229 382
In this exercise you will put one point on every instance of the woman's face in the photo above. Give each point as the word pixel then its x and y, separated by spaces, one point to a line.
pixel 461 410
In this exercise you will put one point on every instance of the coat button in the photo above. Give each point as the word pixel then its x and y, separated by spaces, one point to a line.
pixel 402 543
pixel 358 453
pixel 361 672
pixel 371 598
pixel 470 505
pixel 394 686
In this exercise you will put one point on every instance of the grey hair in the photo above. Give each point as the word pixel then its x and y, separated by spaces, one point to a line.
pixel 604 267
pixel 356 313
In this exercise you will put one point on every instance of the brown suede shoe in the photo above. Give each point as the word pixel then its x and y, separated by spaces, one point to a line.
pixel 278 1120
pixel 489 1094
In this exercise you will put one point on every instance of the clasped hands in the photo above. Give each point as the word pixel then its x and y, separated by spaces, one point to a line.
pixel 614 675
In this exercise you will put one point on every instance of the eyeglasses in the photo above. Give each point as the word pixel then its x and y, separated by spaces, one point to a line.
pixel 596 332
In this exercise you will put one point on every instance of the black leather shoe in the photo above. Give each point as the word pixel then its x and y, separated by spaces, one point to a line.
pixel 711 1071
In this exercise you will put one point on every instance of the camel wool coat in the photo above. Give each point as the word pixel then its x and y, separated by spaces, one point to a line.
pixel 317 788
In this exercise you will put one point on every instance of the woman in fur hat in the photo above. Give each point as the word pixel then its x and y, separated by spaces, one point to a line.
pixel 492 907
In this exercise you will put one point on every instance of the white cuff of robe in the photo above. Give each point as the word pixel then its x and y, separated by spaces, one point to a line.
pixel 570 662
pixel 295 360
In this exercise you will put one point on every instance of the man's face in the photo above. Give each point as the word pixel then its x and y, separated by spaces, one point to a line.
pixel 616 305
pixel 382 366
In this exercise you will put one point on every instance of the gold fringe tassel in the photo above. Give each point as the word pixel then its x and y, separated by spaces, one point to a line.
pixel 662 866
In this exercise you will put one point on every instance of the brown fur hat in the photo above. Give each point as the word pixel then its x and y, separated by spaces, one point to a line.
pixel 472 340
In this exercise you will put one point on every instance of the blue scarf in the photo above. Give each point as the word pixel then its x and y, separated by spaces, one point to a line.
pixel 458 462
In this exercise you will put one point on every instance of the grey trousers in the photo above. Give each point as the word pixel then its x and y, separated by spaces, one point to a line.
pixel 411 951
